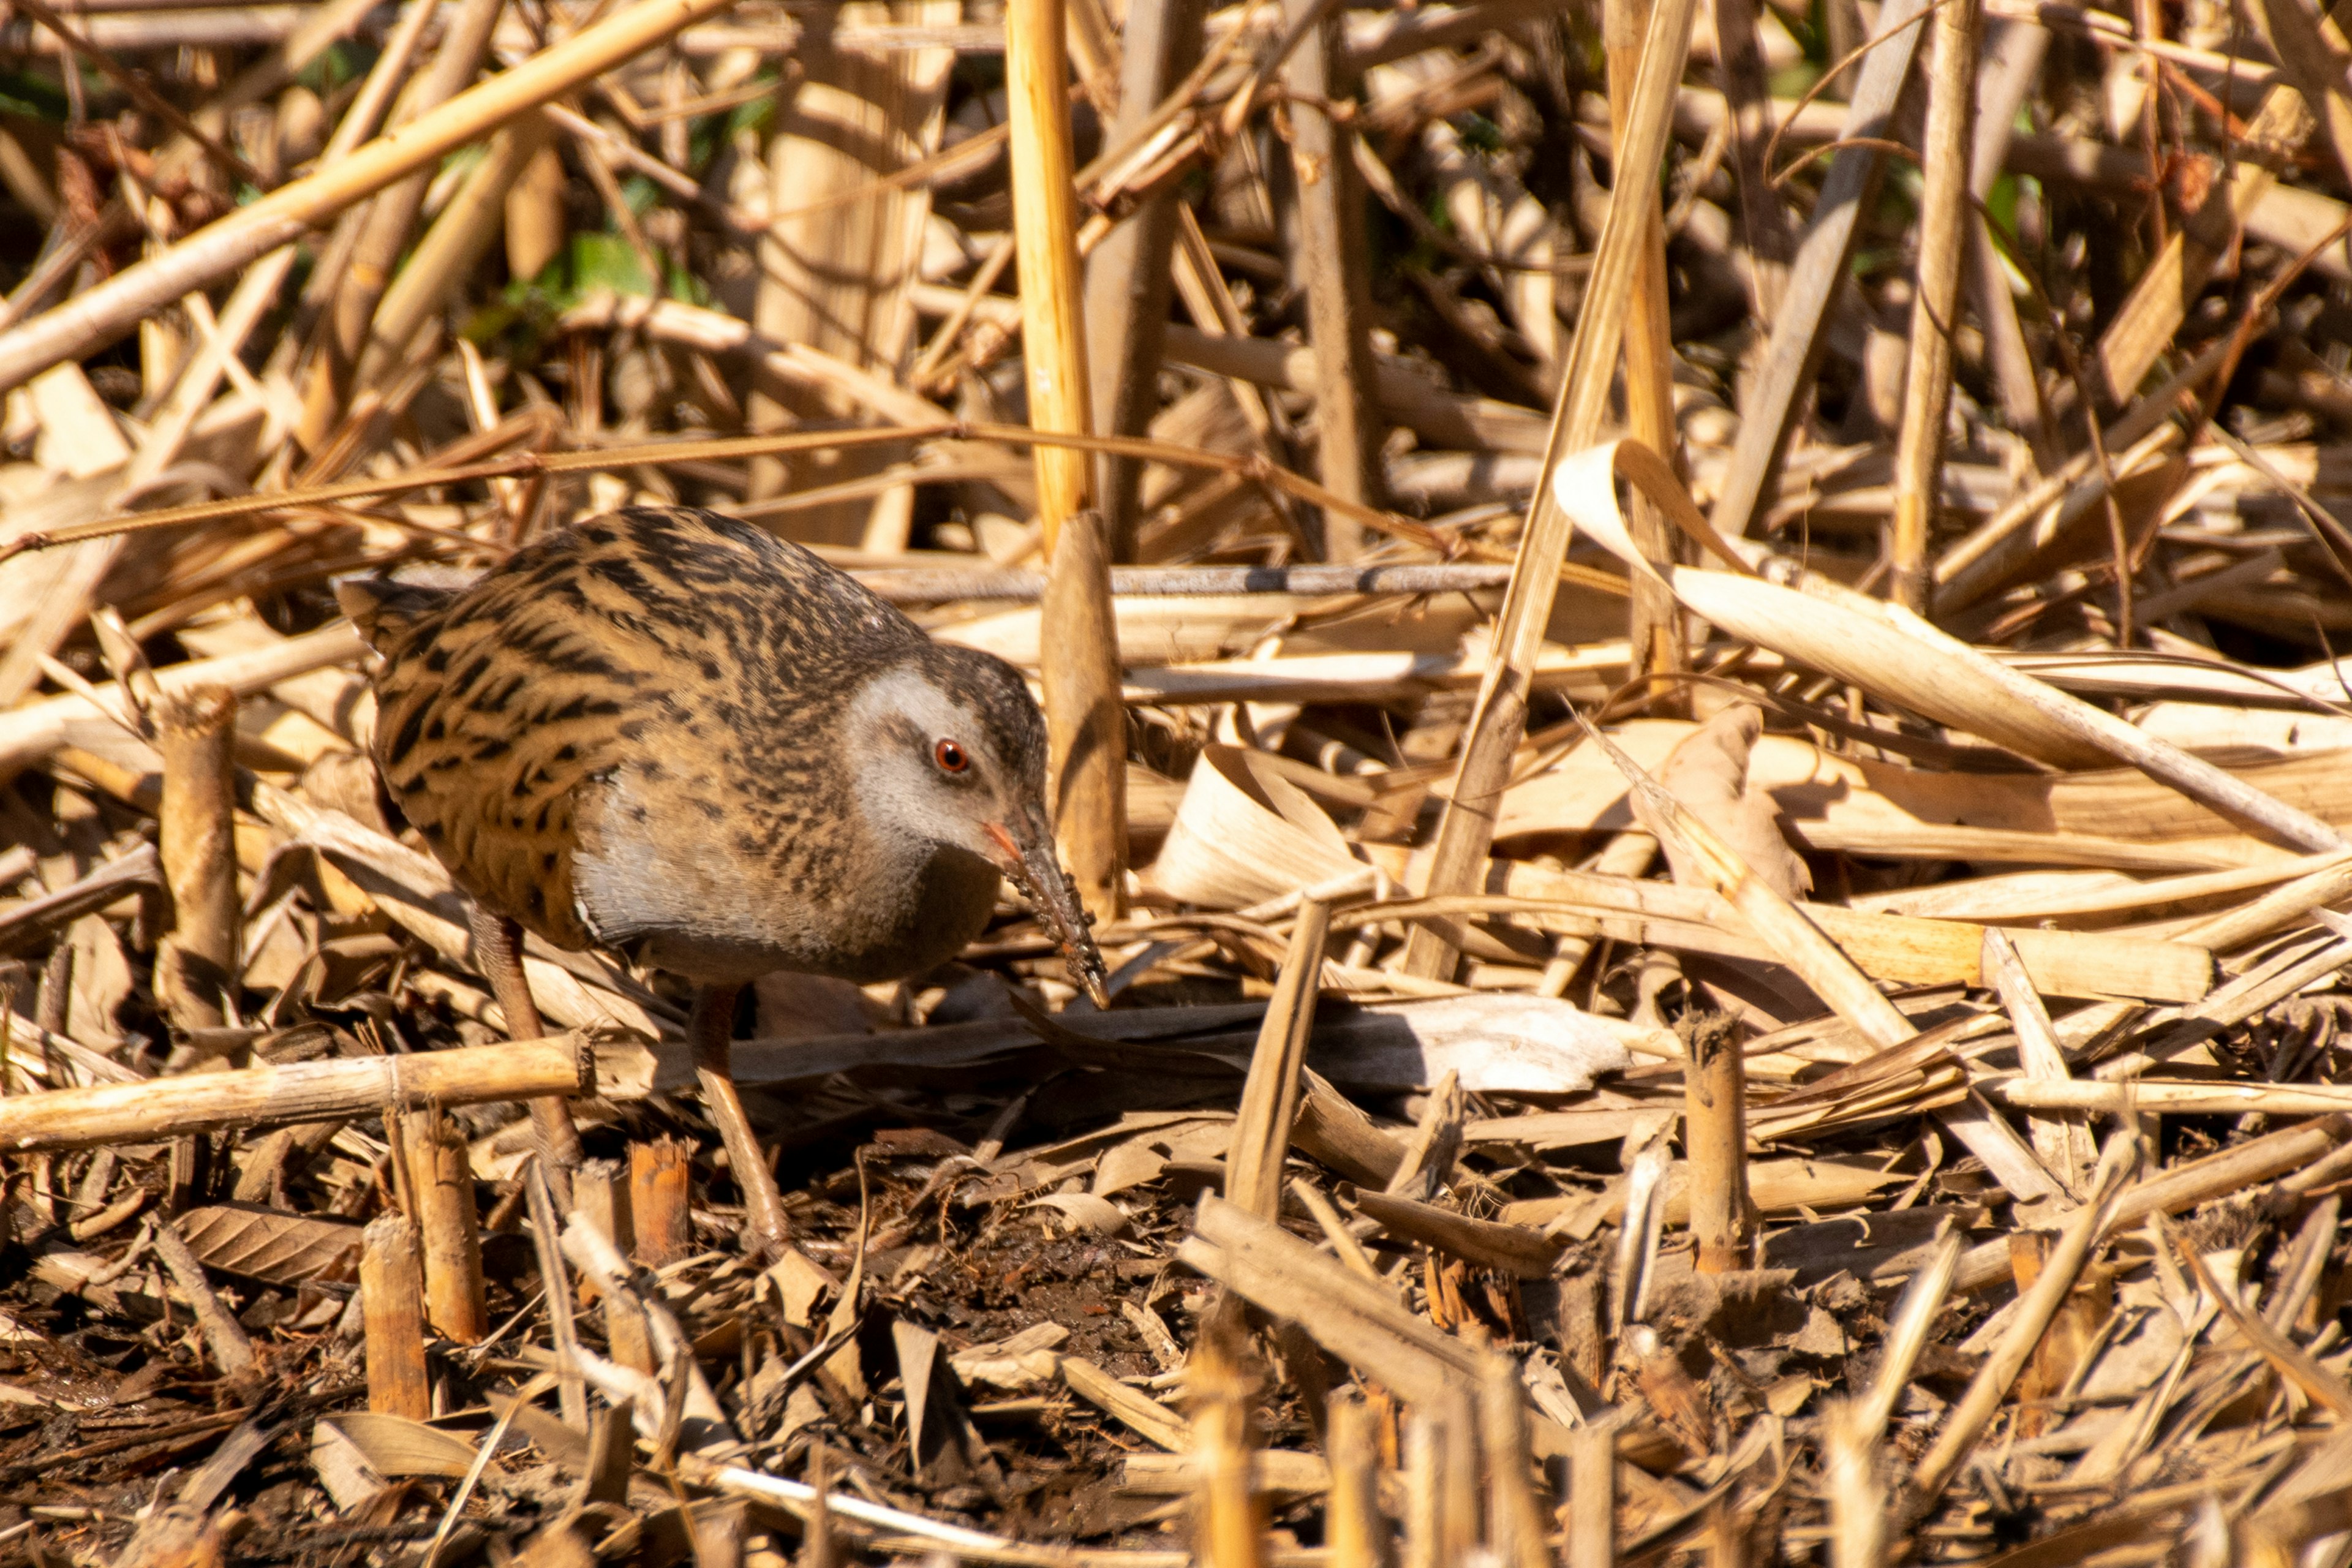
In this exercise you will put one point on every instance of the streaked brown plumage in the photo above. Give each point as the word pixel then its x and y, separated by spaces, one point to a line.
pixel 675 734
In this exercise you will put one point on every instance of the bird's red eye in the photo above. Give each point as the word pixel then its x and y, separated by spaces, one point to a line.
pixel 950 757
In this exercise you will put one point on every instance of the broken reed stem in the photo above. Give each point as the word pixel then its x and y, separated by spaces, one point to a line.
pixel 195 730
pixel 1654 632
pixel 441 1196
pixel 1329 260
pixel 392 1307
pixel 1467 830
pixel 1944 217
pixel 661 1173
pixel 1715 1099
pixel 1355 1531
pixel 1906 1336
pixel 1079 655
pixel 1515 1522
pixel 1424 1490
pixel 1592 1496
pixel 1229 1523
pixel 1857 1496
pixel 1966 1418
pixel 330 1091
pixel 224 1336
pixel 555 1288
pixel 600 1197
pixel 1269 1102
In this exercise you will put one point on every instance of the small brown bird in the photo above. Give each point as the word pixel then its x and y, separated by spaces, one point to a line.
pixel 678 736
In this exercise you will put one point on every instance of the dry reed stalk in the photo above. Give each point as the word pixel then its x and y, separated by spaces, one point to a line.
pixel 1809 954
pixel 78 575
pixel 1327 260
pixel 1944 221
pixel 383 234
pixel 1907 1329
pixel 1424 1492
pixel 660 1179
pixel 1592 1534
pixel 392 1303
pixel 1515 1520
pixel 534 218
pixel 600 1197
pixel 1128 274
pixel 198 963
pixel 555 1288
pixel 1230 1516
pixel 97 316
pixel 449 1225
pixel 1499 721
pixel 1714 1088
pixel 1086 722
pixel 2310 46
pixel 224 1336
pixel 1355 1531
pixel 2143 326
pixel 1769 407
pixel 152 1109
pixel 1857 1496
pixel 2012 62
pixel 1965 1421
pixel 1270 1097
pixel 2064 1141
pixel 450 249
pixel 837 262
pixel 1654 632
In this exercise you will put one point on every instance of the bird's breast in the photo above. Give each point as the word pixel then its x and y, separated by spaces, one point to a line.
pixel 721 892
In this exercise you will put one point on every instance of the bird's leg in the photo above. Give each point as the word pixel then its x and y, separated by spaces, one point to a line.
pixel 711 1028
pixel 498 949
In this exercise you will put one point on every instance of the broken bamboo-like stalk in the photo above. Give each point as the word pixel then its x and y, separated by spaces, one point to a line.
pixel 1329 261
pixel 449 1225
pixel 1592 1534
pixel 1714 1097
pixel 1229 1523
pixel 1086 721
pixel 1129 276
pixel 301 1092
pixel 1856 1492
pixel 97 316
pixel 661 1173
pixel 1944 220
pixel 1500 720
pixel 198 960
pixel 1656 626
pixel 1354 1529
pixel 392 1309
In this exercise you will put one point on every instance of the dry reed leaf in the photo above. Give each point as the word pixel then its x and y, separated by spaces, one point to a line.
pixel 1244 834
pixel 1708 772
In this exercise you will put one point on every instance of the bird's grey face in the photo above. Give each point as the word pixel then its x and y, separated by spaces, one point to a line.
pixel 950 750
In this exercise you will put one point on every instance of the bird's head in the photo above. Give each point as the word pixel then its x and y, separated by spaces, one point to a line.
pixel 950 748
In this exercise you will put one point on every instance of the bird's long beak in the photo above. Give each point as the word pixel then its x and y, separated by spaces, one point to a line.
pixel 1030 860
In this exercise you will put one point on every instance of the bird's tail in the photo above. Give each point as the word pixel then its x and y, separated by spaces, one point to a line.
pixel 384 610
